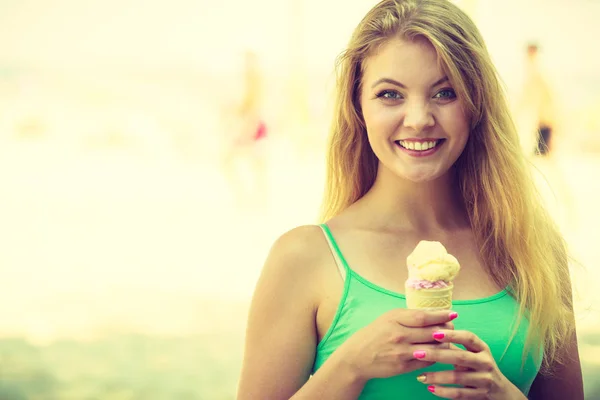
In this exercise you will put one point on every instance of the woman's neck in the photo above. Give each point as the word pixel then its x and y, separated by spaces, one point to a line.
pixel 394 203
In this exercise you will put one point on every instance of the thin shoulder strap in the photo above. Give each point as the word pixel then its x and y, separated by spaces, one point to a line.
pixel 341 263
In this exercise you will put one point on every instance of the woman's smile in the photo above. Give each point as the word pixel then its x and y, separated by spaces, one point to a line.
pixel 419 147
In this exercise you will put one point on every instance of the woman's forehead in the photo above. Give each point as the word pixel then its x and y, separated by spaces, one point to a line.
pixel 410 61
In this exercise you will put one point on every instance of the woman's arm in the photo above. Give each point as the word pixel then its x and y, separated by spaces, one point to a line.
pixel 281 336
pixel 565 382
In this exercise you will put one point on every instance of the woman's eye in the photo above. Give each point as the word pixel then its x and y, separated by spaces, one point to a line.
pixel 446 94
pixel 389 94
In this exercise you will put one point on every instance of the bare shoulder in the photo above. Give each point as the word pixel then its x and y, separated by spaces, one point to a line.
pixel 299 238
pixel 298 251
pixel 294 266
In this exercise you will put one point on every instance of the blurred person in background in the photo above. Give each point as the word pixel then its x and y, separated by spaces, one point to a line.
pixel 422 148
pixel 244 155
pixel 539 117
pixel 536 106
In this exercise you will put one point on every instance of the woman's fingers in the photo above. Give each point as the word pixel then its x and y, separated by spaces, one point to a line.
pixel 421 318
pixel 414 365
pixel 471 341
pixel 459 358
pixel 408 353
pixel 469 378
pixel 420 335
pixel 418 326
pixel 473 367
pixel 458 367
pixel 458 393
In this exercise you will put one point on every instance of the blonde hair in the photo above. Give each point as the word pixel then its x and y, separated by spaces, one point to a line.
pixel 519 242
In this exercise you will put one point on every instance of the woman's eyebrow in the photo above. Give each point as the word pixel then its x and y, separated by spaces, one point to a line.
pixel 399 84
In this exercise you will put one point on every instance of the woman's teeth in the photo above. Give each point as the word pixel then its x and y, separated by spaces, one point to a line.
pixel 418 146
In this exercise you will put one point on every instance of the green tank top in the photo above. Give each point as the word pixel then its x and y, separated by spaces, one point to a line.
pixel 491 318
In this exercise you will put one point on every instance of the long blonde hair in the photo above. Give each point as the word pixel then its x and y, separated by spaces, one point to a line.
pixel 519 242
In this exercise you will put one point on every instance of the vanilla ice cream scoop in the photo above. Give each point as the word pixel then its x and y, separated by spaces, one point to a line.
pixel 431 262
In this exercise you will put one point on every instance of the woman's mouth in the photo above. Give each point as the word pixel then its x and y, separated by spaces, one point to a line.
pixel 420 147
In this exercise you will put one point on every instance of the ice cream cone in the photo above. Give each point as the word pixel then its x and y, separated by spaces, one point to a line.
pixel 429 299
pixel 431 270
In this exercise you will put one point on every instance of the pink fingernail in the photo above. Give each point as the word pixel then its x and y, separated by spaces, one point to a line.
pixel 431 389
pixel 453 315
pixel 438 335
pixel 419 354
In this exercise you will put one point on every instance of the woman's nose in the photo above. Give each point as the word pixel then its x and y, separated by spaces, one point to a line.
pixel 418 116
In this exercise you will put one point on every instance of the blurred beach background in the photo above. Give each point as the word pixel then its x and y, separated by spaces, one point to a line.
pixel 131 235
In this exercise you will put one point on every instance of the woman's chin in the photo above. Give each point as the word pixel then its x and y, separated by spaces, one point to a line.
pixel 412 173
pixel 421 176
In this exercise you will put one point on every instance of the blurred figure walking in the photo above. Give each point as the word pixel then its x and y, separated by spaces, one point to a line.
pixel 536 107
pixel 539 121
pixel 244 157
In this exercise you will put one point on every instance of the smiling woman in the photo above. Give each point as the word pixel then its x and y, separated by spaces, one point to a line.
pixel 422 148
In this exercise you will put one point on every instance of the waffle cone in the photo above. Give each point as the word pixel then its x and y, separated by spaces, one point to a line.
pixel 429 299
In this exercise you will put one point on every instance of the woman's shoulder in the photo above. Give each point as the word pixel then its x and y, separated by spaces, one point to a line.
pixel 300 248
pixel 294 265
pixel 300 235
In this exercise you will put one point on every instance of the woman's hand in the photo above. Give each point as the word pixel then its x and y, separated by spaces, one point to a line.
pixel 385 347
pixel 475 369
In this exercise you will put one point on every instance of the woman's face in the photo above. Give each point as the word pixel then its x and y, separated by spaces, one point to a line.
pixel 416 124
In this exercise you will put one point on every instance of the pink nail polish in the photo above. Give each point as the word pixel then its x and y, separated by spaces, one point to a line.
pixel 438 335
pixel 419 354
pixel 431 389
pixel 453 315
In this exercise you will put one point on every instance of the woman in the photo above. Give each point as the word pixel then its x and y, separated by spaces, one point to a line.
pixel 422 148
